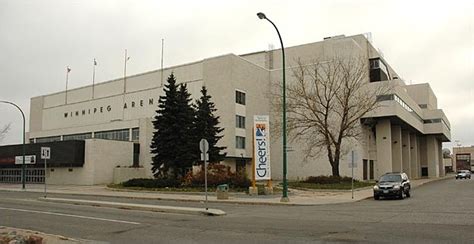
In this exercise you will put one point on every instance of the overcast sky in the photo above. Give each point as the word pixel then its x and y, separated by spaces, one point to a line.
pixel 424 41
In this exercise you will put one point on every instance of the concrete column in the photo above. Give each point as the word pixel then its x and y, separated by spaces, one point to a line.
pixel 418 163
pixel 432 156
pixel 406 153
pixel 384 147
pixel 145 136
pixel 440 158
pixel 396 148
pixel 414 163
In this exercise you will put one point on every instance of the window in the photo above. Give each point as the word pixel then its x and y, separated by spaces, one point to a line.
pixel 240 97
pixel 119 135
pixel 240 142
pixel 48 139
pixel 135 134
pixel 240 121
pixel 82 136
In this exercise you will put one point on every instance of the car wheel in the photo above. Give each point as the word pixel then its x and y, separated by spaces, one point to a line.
pixel 401 195
pixel 376 197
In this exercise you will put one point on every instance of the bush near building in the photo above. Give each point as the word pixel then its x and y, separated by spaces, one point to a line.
pixel 152 183
pixel 329 182
pixel 217 174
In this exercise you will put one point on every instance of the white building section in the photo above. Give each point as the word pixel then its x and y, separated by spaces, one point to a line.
pixel 403 135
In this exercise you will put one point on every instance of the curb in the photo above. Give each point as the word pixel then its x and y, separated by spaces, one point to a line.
pixel 142 207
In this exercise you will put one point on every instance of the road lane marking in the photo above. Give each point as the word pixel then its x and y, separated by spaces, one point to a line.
pixel 70 215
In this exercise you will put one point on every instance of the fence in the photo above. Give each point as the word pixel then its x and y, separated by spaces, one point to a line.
pixel 13 176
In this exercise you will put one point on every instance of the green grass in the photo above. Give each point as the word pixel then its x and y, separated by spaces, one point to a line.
pixel 338 186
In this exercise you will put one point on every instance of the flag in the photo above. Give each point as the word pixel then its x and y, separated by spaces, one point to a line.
pixel 68 69
pixel 95 62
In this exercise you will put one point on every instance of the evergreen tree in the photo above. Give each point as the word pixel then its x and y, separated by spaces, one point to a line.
pixel 206 126
pixel 185 150
pixel 171 143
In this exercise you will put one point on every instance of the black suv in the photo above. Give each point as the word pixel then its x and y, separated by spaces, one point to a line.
pixel 392 185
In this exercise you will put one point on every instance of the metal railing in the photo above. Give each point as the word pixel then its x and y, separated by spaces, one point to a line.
pixel 13 176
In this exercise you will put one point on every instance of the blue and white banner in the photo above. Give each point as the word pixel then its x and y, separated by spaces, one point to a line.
pixel 261 130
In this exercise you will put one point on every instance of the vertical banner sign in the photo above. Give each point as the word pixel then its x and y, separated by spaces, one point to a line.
pixel 261 130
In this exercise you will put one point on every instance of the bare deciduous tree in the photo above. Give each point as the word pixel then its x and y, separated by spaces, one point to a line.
pixel 325 103
pixel 4 131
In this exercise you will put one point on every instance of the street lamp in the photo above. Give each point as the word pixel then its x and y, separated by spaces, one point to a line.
pixel 23 147
pixel 284 198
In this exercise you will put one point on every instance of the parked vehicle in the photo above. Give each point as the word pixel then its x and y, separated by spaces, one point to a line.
pixel 463 174
pixel 392 185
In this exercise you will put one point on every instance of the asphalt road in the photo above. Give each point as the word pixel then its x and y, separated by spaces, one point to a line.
pixel 439 212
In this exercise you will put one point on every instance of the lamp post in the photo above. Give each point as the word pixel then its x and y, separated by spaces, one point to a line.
pixel 284 197
pixel 23 178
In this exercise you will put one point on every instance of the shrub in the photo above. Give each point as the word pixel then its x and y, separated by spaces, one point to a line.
pixel 217 174
pixel 322 179
pixel 152 183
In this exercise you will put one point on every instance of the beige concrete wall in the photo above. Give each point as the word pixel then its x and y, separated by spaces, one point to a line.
pixel 101 157
pixel 406 153
pixel 124 174
pixel 423 94
pixel 384 147
pixel 433 161
pixel 396 148
pixel 414 159
pixel 36 111
pixel 145 138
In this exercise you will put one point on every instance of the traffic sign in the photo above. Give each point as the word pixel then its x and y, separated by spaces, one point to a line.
pixel 45 153
pixel 204 146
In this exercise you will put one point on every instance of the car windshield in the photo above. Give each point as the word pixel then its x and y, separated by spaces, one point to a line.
pixel 391 178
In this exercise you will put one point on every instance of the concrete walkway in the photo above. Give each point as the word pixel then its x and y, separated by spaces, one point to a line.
pixel 297 197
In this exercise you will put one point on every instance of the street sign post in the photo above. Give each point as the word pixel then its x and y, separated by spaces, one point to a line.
pixel 204 147
pixel 45 154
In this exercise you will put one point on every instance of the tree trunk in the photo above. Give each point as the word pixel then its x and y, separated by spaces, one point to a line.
pixel 335 164
pixel 335 170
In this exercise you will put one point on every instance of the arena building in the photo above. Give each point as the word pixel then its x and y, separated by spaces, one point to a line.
pixel 114 118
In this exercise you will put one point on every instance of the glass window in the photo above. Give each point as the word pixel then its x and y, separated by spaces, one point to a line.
pixel 240 97
pixel 135 134
pixel 118 135
pixel 82 136
pixel 240 121
pixel 240 142
pixel 48 139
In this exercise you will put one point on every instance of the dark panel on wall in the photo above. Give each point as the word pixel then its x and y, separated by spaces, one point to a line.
pixel 63 154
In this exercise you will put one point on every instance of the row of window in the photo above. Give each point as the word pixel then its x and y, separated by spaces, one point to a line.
pixel 118 135
pixel 401 102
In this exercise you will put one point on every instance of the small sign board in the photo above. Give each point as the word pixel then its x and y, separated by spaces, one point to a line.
pixel 29 159
pixel 204 147
pixel 45 153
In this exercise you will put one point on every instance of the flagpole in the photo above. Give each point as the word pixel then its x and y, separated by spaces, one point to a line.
pixel 162 47
pixel 67 79
pixel 93 77
pixel 125 73
pixel 124 82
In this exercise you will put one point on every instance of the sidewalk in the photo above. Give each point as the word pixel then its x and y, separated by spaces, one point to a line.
pixel 297 197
